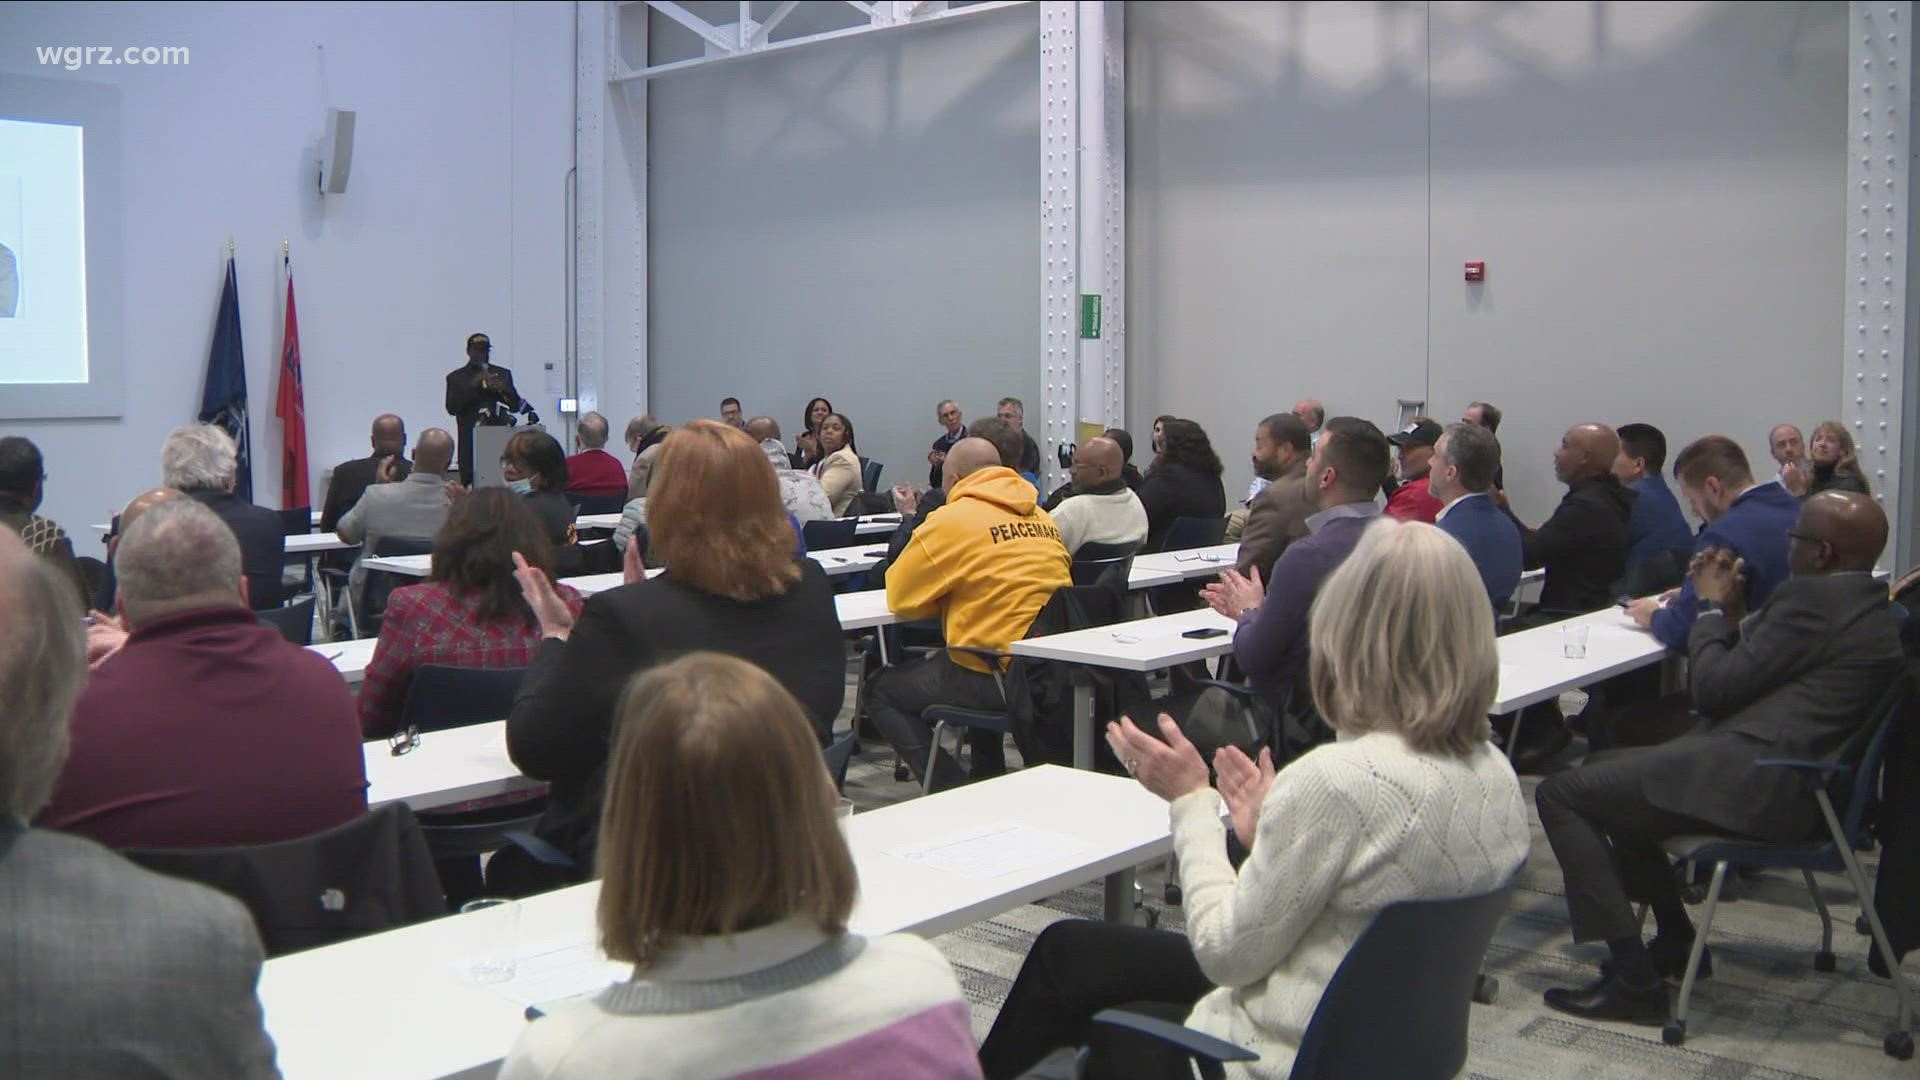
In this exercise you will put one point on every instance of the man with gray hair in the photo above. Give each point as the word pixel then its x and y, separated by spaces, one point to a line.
pixel 206 729
pixel 1014 414
pixel 1461 477
pixel 593 471
pixel 98 950
pixel 200 460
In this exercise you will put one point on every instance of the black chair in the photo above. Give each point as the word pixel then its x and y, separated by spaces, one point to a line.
pixel 824 535
pixel 440 696
pixel 597 504
pixel 870 474
pixel 298 521
pixel 372 873
pixel 294 621
pixel 1194 532
pixel 1855 776
pixel 379 583
pixel 839 756
pixel 1093 562
pixel 458 839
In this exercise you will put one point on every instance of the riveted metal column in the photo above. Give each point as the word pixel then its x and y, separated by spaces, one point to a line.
pixel 1059 232
pixel 1882 342
pixel 1113 219
pixel 597 36
pixel 1101 228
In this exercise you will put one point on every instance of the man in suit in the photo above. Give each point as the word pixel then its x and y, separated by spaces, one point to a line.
pixel 479 393
pixel 1277 516
pixel 200 460
pixel 1795 680
pixel 412 508
pixel 1789 450
pixel 352 478
pixel 1013 413
pixel 1487 415
pixel 106 969
pixel 953 428
pixel 1656 527
pixel 1583 545
pixel 1461 478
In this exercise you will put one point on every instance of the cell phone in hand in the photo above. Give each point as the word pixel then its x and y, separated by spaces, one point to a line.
pixel 1204 632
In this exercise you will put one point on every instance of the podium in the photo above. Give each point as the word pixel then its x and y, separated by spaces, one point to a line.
pixel 488 444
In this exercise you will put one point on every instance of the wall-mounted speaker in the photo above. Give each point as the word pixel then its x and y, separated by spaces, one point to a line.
pixel 336 152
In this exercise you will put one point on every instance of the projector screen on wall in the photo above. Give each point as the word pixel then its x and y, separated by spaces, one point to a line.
pixel 59 250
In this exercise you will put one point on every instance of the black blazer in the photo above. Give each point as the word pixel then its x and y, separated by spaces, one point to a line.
pixel 1583 545
pixel 467 402
pixel 351 479
pixel 263 543
pixel 1173 490
pixel 562 717
pixel 1795 682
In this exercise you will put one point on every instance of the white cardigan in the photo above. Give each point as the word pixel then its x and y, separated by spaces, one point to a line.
pixel 1346 830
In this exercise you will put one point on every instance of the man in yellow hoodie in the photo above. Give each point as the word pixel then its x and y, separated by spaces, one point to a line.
pixel 985 563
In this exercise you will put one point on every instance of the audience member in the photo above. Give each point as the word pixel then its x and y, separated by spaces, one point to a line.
pixel 730 413
pixel 1009 441
pixel 23 478
pixel 1835 465
pixel 352 478
pixel 1277 516
pixel 1412 803
pixel 200 460
pixel 1461 478
pixel 1102 509
pixel 727 884
pixel 1159 440
pixel 838 468
pixel 985 565
pixel 535 468
pixel 1411 500
pixel 469 613
pixel 806 445
pixel 731 585
pixel 1749 520
pixel 1124 440
pixel 1789 450
pixel 1583 545
pixel 1014 414
pixel 105 631
pixel 207 729
pixel 800 492
pixel 644 436
pixel 1795 680
pixel 1656 527
pixel 410 509
pixel 1314 415
pixel 1270 644
pixel 593 471
pixel 1485 414
pixel 110 970
pixel 1184 481
pixel 953 429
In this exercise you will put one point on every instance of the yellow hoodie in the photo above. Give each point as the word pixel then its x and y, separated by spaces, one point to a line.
pixel 986 563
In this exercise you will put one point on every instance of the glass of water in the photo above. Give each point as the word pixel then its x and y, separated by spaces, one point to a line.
pixel 1573 641
pixel 493 934
pixel 843 817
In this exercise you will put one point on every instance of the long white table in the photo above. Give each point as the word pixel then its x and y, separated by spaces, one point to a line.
pixel 867 525
pixel 452 766
pixel 397 1005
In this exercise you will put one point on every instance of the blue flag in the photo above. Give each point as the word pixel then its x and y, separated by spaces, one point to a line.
pixel 224 403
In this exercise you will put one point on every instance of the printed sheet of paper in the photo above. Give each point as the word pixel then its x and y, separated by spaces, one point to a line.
pixel 550 971
pixel 983 852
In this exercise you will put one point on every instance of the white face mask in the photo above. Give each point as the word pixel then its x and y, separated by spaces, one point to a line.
pixel 520 487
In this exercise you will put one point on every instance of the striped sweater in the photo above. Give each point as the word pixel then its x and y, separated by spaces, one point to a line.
pixel 784 1001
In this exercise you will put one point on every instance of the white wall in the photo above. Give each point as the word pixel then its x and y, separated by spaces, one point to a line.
pixel 452 222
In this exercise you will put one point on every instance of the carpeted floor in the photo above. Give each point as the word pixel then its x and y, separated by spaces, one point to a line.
pixel 1765 1014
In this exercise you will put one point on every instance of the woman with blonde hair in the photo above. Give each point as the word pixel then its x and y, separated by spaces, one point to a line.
pixel 726 882
pixel 1411 803
pixel 731 585
pixel 1836 466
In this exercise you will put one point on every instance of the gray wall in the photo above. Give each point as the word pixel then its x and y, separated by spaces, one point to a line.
pixel 857 220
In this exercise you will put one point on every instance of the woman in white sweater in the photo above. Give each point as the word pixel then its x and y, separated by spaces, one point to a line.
pixel 727 884
pixel 1410 803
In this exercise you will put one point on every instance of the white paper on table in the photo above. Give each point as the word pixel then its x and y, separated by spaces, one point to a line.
pixel 550 971
pixel 992 850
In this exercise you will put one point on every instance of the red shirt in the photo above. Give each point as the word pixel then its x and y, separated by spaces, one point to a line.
pixel 431 624
pixel 208 729
pixel 1414 501
pixel 596 472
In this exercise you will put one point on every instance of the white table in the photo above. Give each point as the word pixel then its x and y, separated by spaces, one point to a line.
pixel 596 521
pixel 310 543
pixel 876 524
pixel 104 527
pixel 410 565
pixel 1534 666
pixel 349 658
pixel 839 562
pixel 452 766
pixel 395 1005
pixel 1191 562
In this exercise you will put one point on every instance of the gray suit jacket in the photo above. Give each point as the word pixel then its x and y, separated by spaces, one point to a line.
pixel 1275 518
pixel 107 970
pixel 1795 681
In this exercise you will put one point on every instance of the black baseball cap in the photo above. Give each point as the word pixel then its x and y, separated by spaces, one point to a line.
pixel 480 340
pixel 1421 432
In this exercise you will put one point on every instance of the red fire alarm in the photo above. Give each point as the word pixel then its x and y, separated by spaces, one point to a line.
pixel 1477 270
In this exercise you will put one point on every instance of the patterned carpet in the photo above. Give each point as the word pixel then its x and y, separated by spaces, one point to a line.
pixel 1766 1013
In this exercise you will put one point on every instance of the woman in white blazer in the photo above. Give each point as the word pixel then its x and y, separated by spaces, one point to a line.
pixel 839 470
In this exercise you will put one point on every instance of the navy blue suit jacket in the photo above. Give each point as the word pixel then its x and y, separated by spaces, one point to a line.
pixel 1657 524
pixel 1753 528
pixel 1492 539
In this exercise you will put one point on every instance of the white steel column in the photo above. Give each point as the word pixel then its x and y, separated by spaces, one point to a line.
pixel 1059 232
pixel 1101 230
pixel 594 39
pixel 1881 339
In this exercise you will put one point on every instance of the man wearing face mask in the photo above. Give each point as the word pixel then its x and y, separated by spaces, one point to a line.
pixel 479 393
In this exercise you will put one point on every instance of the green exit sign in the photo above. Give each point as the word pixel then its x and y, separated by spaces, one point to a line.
pixel 1090 315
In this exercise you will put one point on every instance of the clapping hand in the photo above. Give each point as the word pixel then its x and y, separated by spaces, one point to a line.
pixel 1236 593
pixel 1720 577
pixel 632 567
pixel 453 489
pixel 905 499
pixel 388 470
pixel 1169 769
pixel 105 636
pixel 555 620
pixel 1243 784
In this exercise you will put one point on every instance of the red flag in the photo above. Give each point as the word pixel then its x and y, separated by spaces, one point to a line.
pixel 291 408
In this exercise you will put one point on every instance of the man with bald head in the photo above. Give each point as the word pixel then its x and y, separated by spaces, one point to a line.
pixel 352 478
pixel 1314 415
pixel 1795 680
pixel 1583 546
pixel 105 632
pixel 87 935
pixel 411 509
pixel 1102 509
pixel 593 471
pixel 984 564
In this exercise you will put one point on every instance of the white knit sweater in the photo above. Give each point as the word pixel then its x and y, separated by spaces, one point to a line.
pixel 1346 830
